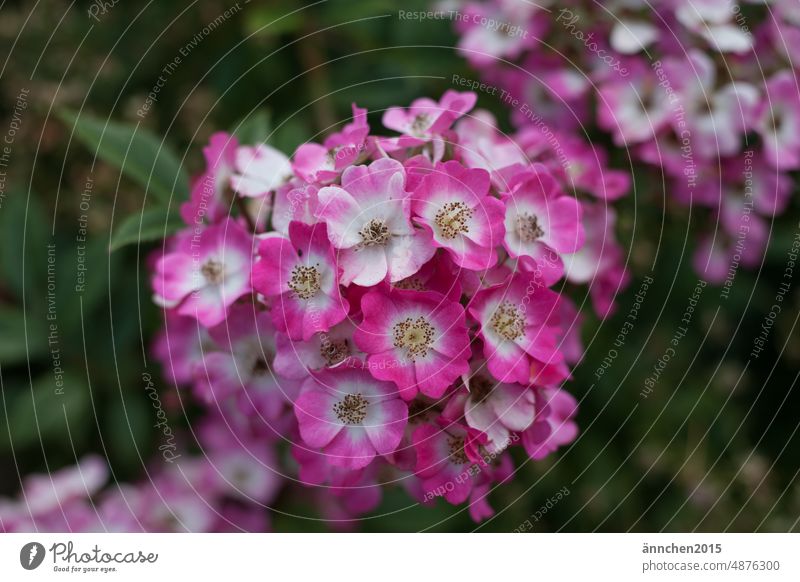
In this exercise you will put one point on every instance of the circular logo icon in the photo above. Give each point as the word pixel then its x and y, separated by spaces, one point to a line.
pixel 31 555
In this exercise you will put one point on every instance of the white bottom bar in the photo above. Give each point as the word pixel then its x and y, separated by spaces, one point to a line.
pixel 401 557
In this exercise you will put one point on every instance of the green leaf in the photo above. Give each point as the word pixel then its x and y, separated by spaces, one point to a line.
pixel 54 409
pixel 253 129
pixel 13 346
pixel 290 134
pixel 274 20
pixel 139 154
pixel 128 428
pixel 23 267
pixel 149 225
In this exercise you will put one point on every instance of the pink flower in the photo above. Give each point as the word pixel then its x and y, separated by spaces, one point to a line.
pixel 498 30
pixel 207 202
pixel 260 170
pixel 778 121
pixel 715 118
pixel 330 349
pixel 600 263
pixel 426 118
pixel 51 492
pixel 323 163
pixel 587 167
pixel 439 274
pixel 179 346
pixel 453 202
pixel 206 273
pixel 416 339
pixel 541 222
pixel 242 367
pixel 302 274
pixel 350 416
pixel 515 325
pixel 481 145
pixel 368 221
pixel 294 202
pixel 240 466
pixel 554 425
pixel 446 461
pixel 633 109
pixel 426 121
pixel 497 409
pixel 714 20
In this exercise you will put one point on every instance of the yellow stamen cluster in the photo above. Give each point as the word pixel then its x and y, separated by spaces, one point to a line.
pixel 352 409
pixel 415 336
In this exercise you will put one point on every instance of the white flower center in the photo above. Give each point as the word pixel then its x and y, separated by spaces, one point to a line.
pixel 452 219
pixel 507 321
pixel 374 233
pixel 352 409
pixel 305 281
pixel 415 336
pixel 213 271
pixel 528 228
pixel 334 352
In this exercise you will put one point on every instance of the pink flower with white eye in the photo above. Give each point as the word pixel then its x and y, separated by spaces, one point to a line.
pixel 515 320
pixel 784 30
pixel 260 170
pixel 446 460
pixel 635 108
pixel 439 274
pixel 323 163
pixel 236 517
pixel 716 119
pixel 588 165
pixel 347 493
pixel 206 273
pixel 500 471
pixel 601 261
pixel 240 466
pixel 207 202
pixel 718 252
pixel 778 121
pixel 294 202
pixel 714 21
pixel 507 36
pixel 453 202
pixel 554 94
pixel 426 121
pixel 771 190
pixel 481 145
pixel 541 221
pixel 416 339
pixel 368 220
pixel 301 273
pixel 554 425
pixel 600 250
pixel 330 349
pixel 241 368
pixel 350 416
pixel 629 36
pixel 46 493
pixel 174 501
pixel 497 409
pixel 712 257
pixel 571 323
pixel 179 346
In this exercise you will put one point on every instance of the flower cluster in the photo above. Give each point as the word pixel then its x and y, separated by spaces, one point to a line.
pixel 372 310
pixel 703 91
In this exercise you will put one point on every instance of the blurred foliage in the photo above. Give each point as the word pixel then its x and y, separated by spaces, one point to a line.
pixel 712 447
